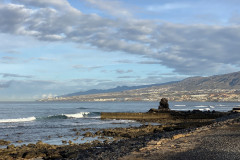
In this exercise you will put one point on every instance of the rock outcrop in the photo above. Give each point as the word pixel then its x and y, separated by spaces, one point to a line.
pixel 163 104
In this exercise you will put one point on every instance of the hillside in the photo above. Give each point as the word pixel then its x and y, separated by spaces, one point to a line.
pixel 225 81
pixel 224 87
pixel 117 89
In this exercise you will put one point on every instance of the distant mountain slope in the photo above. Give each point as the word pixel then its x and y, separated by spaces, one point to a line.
pixel 117 89
pixel 222 88
pixel 225 81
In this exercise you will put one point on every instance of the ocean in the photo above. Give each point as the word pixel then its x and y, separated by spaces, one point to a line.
pixel 54 122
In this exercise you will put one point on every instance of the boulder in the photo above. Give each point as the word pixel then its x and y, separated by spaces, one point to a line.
pixel 163 104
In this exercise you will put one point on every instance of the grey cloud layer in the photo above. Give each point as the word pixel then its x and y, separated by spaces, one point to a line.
pixel 5 84
pixel 188 49
pixel 5 75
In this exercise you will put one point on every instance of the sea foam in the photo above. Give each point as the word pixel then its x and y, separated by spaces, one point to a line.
pixel 66 116
pixel 17 120
pixel 77 115
pixel 204 109
pixel 200 106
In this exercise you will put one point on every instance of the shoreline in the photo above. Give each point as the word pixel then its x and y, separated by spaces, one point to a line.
pixel 219 140
pixel 127 141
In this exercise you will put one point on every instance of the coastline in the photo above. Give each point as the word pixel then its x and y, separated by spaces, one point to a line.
pixel 219 141
pixel 134 142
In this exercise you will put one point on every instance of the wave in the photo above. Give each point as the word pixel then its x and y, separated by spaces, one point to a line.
pixel 200 106
pixel 75 115
pixel 221 105
pixel 60 116
pixel 83 108
pixel 180 105
pixel 204 109
pixel 17 120
pixel 114 121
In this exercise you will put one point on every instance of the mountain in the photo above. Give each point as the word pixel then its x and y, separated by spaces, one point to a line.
pixel 218 88
pixel 117 89
pixel 225 81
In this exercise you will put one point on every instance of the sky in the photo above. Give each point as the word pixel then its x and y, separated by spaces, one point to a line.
pixel 55 47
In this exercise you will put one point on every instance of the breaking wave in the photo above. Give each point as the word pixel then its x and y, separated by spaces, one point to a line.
pixel 75 115
pixel 204 109
pixel 200 106
pixel 180 105
pixel 17 120
pixel 60 116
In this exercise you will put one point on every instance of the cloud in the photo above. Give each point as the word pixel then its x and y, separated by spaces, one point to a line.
pixel 5 84
pixel 124 61
pixel 128 77
pixel 187 49
pixel 112 7
pixel 235 19
pixel 46 59
pixel 28 89
pixel 81 67
pixel 149 62
pixel 120 71
pixel 8 60
pixel 191 52
pixel 167 6
pixel 6 75
pixel 12 52
pixel 58 4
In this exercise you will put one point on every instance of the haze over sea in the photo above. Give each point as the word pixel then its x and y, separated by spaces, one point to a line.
pixel 53 122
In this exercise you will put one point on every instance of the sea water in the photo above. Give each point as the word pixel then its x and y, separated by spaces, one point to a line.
pixel 53 122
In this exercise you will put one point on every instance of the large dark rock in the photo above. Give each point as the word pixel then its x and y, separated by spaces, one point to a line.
pixel 163 104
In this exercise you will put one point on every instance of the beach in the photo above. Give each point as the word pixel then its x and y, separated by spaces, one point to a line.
pixel 218 140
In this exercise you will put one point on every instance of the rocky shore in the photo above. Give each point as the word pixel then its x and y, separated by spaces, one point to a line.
pixel 121 143
pixel 217 141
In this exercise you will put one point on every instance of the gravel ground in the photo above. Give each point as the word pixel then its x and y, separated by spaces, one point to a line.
pixel 219 141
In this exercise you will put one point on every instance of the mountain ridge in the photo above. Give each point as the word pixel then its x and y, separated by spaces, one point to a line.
pixel 225 87
pixel 224 81
pixel 116 89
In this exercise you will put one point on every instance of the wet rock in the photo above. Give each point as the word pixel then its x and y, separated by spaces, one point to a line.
pixel 3 142
pixel 29 154
pixel 75 139
pixel 88 134
pixel 70 142
pixel 10 146
pixel 95 142
pixel 77 133
pixel 74 129
pixel 98 133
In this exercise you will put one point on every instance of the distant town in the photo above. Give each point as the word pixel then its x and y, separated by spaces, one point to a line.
pixel 219 88
pixel 155 94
